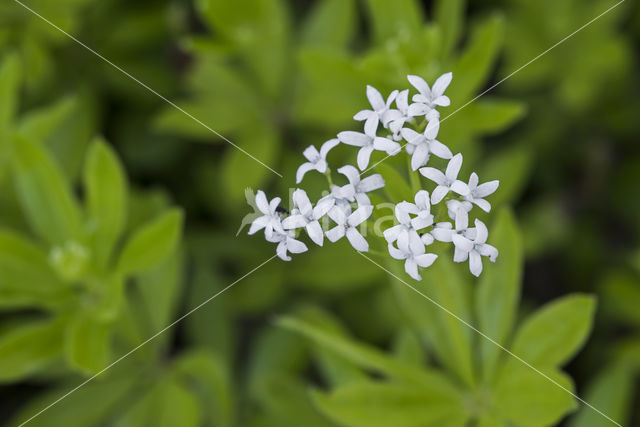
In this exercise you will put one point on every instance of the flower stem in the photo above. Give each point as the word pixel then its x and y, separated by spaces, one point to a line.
pixel 327 173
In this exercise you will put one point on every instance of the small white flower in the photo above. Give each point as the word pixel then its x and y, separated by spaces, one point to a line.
pixel 346 225
pixel 424 217
pixel 399 116
pixel 421 145
pixel 474 248
pixel 270 220
pixel 360 186
pixel 474 193
pixel 443 231
pixel 307 216
pixel 444 180
pixel 403 211
pixel 454 204
pixel 428 99
pixel 286 243
pixel 413 252
pixel 317 159
pixel 369 142
pixel 380 108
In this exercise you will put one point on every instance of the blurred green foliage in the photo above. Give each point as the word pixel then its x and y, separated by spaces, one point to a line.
pixel 93 261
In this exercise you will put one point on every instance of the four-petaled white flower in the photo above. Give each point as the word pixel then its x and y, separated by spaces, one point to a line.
pixel 428 99
pixel 399 116
pixel 286 243
pixel 444 180
pixel 270 220
pixel 474 193
pixel 380 108
pixel 403 211
pixel 443 231
pixel 317 159
pixel 369 142
pixel 307 216
pixel 413 252
pixel 474 247
pixel 359 187
pixel 420 145
pixel 347 224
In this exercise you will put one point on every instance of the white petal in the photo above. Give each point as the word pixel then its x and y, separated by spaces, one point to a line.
pixel 442 101
pixel 488 250
pixel 411 136
pixel 461 242
pixel 402 211
pixel 419 83
pixel 460 255
pixel 375 98
pixel 295 246
pixel 359 216
pixel 483 190
pixel 421 222
pixel 302 170
pixel 434 175
pixel 481 232
pixel 335 234
pixel 475 263
pixel 261 202
pixel 371 125
pixel 322 207
pixel 483 204
pixel 259 223
pixel 420 156
pixel 357 139
pixel 415 243
pixel 363 199
pixel 338 215
pixel 391 234
pixel 363 115
pixel 281 251
pixel 411 267
pixel 357 241
pixel 431 132
pixel 315 233
pixel 363 156
pixel 402 101
pixel 328 146
pixel 294 221
pixel 460 187
pixel 273 204
pixel 371 183
pixel 454 167
pixel 432 114
pixel 385 144
pixel 441 84
pixel 473 181
pixel 351 173
pixel 442 234
pixel 403 242
pixel 440 150
pixel 422 200
pixel 462 219
pixel 427 239
pixel 438 193
pixel 425 260
pixel 418 109
pixel 396 253
pixel 302 202
pixel 311 153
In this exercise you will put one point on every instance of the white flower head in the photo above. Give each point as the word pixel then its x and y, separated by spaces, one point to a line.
pixel 379 110
pixel 421 145
pixel 413 252
pixel 347 224
pixel 368 141
pixel 270 220
pixel 359 187
pixel 428 99
pixel 306 215
pixel 444 180
pixel 474 247
pixel 286 243
pixel 403 211
pixel 317 159
pixel 474 193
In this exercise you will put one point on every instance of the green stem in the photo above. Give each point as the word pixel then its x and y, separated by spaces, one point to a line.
pixel 327 174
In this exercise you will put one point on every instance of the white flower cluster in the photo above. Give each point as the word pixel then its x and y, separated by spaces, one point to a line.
pixel 349 206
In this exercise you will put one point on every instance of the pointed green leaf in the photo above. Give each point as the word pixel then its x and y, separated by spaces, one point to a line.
pixel 331 23
pixel 553 334
pixel 151 243
pixel 10 79
pixel 449 15
pixel 88 343
pixel 105 185
pixel 396 186
pixel 390 19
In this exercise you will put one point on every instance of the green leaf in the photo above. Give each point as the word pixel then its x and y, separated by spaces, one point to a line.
pixel 553 334
pixel 512 165
pixel 45 195
pixel 396 185
pixel 391 19
pixel 105 185
pixel 612 393
pixel 371 404
pixel 528 399
pixel 489 116
pixel 213 385
pixel 449 16
pixel 10 79
pixel 151 243
pixel 498 292
pixel 88 343
pixel 27 349
pixel 26 278
pixel 367 357
pixel 331 23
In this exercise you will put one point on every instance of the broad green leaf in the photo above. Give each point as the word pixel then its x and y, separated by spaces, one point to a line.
pixel 105 185
pixel 151 243
pixel 553 334
pixel 488 116
pixel 474 65
pixel 26 278
pixel 392 19
pixel 371 404
pixel 612 393
pixel 436 312
pixel 10 79
pixel 40 123
pixel 45 195
pixel 408 348
pixel 368 357
pixel 88 343
pixel 396 185
pixel 29 348
pixel 528 399
pixel 212 383
pixel 498 292
pixel 93 405
pixel 331 24
pixel 449 16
